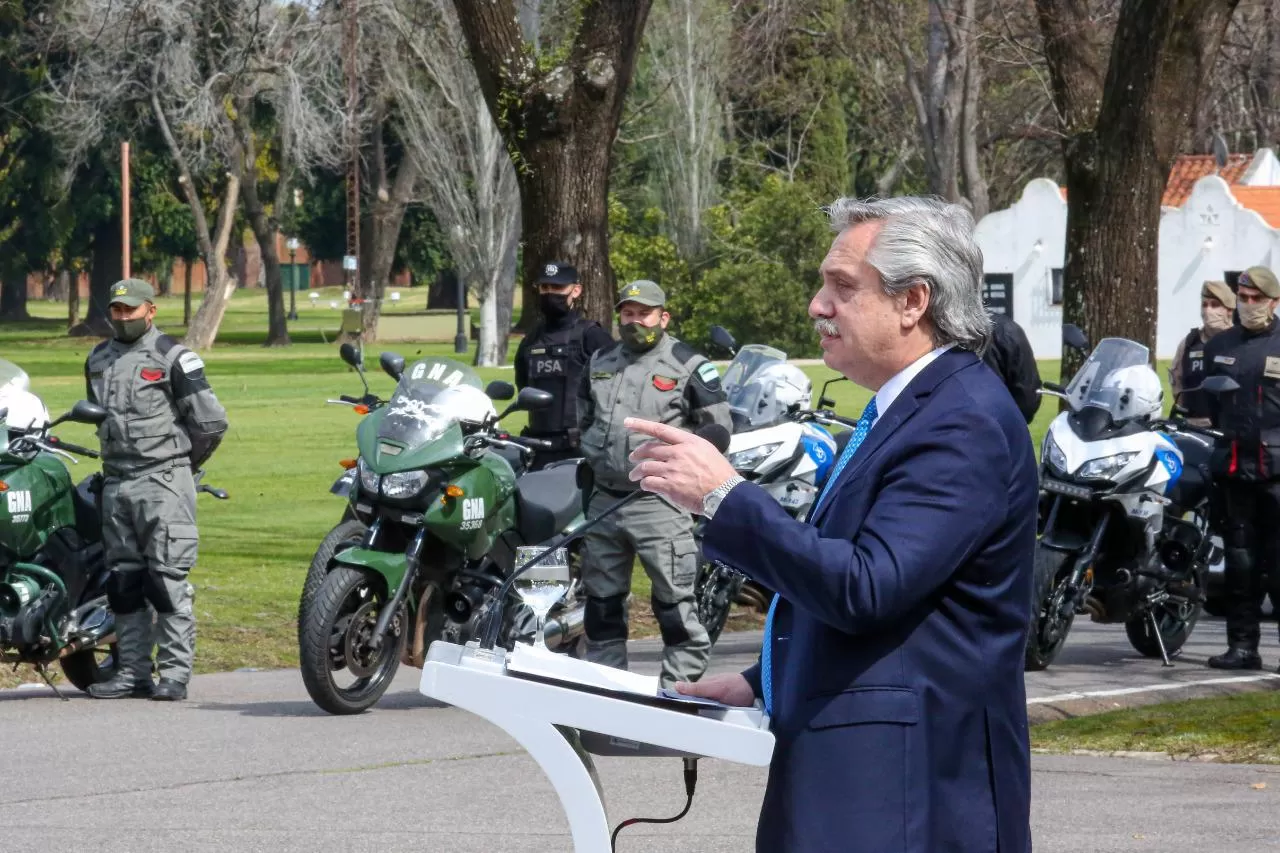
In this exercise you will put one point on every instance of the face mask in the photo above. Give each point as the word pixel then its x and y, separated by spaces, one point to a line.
pixel 640 338
pixel 1255 315
pixel 1216 319
pixel 129 331
pixel 554 305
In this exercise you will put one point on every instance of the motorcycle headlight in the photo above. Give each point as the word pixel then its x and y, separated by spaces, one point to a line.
pixel 746 460
pixel 368 479
pixel 1106 467
pixel 404 485
pixel 1052 454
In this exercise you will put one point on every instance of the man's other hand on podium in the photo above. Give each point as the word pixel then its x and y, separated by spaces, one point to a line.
pixel 730 688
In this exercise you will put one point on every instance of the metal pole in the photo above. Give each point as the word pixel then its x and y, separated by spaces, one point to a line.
pixel 293 289
pixel 124 206
pixel 460 342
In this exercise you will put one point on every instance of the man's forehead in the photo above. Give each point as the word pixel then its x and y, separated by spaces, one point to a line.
pixel 849 248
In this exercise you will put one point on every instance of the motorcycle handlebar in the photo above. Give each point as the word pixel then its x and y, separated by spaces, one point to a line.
pixel 220 494
pixel 58 443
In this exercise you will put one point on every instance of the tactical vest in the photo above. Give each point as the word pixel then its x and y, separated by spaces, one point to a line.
pixel 556 361
pixel 1249 417
pixel 1193 372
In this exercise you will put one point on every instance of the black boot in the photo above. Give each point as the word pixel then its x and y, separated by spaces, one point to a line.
pixel 1236 658
pixel 122 686
pixel 169 690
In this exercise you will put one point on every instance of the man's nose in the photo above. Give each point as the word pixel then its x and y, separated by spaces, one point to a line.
pixel 818 307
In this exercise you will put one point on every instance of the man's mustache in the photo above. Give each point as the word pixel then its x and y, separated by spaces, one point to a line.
pixel 824 326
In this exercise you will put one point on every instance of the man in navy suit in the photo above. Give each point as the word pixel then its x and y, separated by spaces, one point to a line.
pixel 892 661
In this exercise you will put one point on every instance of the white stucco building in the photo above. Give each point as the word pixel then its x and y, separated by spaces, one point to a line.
pixel 1212 226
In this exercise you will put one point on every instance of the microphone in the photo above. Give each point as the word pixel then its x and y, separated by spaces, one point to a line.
pixel 718 437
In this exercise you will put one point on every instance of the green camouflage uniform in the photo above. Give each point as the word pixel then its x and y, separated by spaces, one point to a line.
pixel 164 421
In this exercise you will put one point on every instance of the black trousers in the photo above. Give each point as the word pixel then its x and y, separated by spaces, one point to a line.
pixel 1249 521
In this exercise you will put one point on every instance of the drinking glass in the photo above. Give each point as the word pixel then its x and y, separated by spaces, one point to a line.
pixel 542 585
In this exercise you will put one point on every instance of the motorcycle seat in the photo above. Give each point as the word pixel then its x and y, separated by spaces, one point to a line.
pixel 546 501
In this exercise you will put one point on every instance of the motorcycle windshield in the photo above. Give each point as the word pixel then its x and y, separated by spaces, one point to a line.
pixel 1089 386
pixel 422 407
pixel 743 395
pixel 12 376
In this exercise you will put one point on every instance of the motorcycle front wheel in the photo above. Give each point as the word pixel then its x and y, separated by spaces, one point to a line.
pixel 1048 629
pixel 341 671
pixel 348 532
pixel 91 666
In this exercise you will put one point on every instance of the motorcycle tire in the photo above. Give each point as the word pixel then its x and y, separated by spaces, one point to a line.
pixel 320 659
pixel 348 532
pixel 83 669
pixel 1173 630
pixel 1050 572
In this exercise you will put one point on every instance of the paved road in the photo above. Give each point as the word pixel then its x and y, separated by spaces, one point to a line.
pixel 250 764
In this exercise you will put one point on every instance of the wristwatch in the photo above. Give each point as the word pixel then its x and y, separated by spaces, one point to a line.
pixel 711 501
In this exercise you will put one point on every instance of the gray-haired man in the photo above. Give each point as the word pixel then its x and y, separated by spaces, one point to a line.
pixel 164 421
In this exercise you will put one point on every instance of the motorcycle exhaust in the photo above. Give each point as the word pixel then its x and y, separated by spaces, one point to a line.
pixel 565 628
pixel 1097 612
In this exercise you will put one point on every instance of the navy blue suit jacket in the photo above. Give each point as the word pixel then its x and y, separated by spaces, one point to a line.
pixel 899 706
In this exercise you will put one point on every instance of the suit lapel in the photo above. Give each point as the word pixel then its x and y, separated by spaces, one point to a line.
pixel 901 410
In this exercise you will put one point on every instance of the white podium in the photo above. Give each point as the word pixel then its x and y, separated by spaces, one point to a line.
pixel 563 710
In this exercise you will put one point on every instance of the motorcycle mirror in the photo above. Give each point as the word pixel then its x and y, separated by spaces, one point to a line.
pixel 392 364
pixel 530 399
pixel 825 402
pixel 84 412
pixel 720 337
pixel 1178 411
pixel 1219 385
pixel 1074 337
pixel 586 481
pixel 351 356
pixel 499 390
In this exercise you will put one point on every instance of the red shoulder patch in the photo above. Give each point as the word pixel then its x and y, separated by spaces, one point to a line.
pixel 664 383
pixel 151 374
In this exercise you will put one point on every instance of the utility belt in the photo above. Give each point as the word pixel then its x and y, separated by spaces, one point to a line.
pixel 114 473
pixel 569 439
pixel 613 493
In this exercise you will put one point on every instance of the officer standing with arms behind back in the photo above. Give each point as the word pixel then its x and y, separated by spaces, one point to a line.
pixel 1217 302
pixel 650 375
pixel 1246 461
pixel 553 358
pixel 163 422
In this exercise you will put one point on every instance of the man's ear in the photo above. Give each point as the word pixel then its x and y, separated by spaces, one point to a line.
pixel 914 303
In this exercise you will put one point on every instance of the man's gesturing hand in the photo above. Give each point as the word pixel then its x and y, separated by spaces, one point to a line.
pixel 678 465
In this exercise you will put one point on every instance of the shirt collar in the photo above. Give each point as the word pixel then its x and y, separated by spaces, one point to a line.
pixel 890 390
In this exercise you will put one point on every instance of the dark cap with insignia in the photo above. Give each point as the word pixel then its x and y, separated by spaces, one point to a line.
pixel 557 273
pixel 1261 278
pixel 132 292
pixel 643 292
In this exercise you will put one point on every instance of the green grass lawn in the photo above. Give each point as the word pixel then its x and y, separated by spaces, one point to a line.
pixel 1240 728
pixel 280 455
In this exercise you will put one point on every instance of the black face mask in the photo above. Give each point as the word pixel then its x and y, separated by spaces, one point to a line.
pixel 128 331
pixel 554 305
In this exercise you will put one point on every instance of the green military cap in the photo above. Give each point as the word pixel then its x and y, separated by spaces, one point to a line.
pixel 1220 291
pixel 132 292
pixel 642 291
pixel 1261 278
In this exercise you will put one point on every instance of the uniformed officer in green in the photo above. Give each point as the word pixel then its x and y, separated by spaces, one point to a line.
pixel 164 422
pixel 648 374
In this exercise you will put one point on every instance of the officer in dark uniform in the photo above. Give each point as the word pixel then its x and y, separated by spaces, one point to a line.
pixel 1246 461
pixel 1011 357
pixel 1217 302
pixel 553 358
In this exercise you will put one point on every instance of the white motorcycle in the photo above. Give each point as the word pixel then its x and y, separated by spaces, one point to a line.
pixel 777 443
pixel 1123 517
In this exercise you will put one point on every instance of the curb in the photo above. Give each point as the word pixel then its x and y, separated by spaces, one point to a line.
pixel 1069 706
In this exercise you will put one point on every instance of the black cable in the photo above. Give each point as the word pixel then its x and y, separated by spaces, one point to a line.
pixel 690 782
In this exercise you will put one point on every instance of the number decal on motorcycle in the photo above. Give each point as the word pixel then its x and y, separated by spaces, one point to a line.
pixel 472 513
pixel 19 506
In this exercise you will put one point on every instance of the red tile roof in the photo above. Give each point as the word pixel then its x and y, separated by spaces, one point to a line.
pixel 1190 168
pixel 1263 200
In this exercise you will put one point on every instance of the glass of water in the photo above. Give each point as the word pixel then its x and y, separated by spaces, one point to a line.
pixel 542 585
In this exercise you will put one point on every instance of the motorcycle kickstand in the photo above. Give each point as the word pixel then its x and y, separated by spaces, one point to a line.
pixel 1155 627
pixel 44 673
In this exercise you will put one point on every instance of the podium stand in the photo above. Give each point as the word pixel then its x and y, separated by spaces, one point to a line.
pixel 563 710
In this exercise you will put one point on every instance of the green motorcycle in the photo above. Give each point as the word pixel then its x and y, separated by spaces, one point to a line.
pixel 438 513
pixel 53 572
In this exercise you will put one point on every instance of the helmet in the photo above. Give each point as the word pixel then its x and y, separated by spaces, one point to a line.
pixel 465 403
pixel 1138 393
pixel 25 410
pixel 767 394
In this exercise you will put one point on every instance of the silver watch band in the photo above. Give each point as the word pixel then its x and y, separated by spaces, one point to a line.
pixel 711 501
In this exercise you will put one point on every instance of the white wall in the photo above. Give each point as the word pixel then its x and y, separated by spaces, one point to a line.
pixel 1009 238
pixel 1209 235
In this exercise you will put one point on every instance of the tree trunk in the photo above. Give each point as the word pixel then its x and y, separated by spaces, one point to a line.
pixel 189 273
pixel 73 300
pixel 107 264
pixel 559 123
pixel 975 182
pixel 506 297
pixel 488 345
pixel 1120 137
pixel 165 279
pixel 13 297
pixel 388 217
pixel 219 286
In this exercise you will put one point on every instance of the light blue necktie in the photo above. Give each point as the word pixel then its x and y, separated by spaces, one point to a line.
pixel 865 423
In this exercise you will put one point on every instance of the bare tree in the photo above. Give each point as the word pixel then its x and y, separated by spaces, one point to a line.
pixel 557 103
pixel 1123 121
pixel 467 178
pixel 195 70
pixel 687 50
